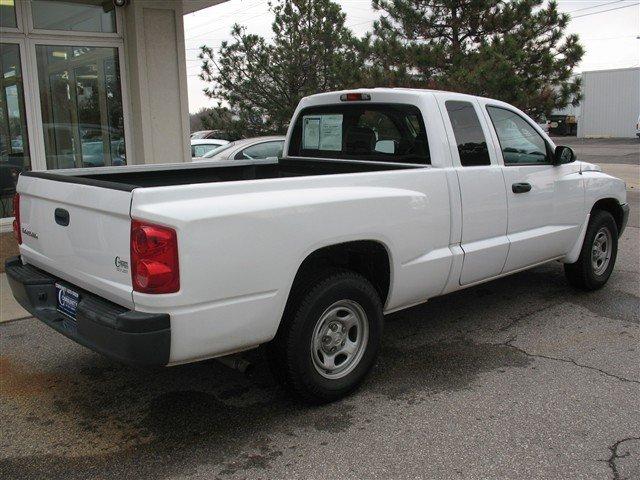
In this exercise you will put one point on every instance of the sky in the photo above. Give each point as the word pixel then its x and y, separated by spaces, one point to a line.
pixel 608 29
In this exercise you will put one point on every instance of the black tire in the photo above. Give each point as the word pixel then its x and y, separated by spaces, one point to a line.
pixel 582 274
pixel 290 353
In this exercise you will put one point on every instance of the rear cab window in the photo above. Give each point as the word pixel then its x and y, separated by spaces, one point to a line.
pixel 372 132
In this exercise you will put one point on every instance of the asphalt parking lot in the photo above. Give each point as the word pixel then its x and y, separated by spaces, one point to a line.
pixel 520 378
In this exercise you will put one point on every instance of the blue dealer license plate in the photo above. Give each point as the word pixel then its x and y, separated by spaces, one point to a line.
pixel 67 300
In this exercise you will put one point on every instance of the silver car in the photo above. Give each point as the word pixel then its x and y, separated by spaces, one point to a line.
pixel 247 149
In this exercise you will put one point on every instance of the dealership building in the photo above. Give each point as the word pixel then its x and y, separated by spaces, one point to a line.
pixel 89 83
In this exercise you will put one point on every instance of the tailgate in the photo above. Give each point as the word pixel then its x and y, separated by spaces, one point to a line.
pixel 92 251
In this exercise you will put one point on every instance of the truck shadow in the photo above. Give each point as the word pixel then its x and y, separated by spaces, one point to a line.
pixel 81 416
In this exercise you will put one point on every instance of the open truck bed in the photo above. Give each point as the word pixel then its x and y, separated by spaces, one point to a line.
pixel 129 178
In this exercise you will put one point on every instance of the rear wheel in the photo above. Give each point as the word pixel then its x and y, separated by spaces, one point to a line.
pixel 329 338
pixel 598 255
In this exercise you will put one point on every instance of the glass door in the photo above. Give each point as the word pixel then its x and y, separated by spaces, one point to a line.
pixel 81 106
pixel 61 98
pixel 14 141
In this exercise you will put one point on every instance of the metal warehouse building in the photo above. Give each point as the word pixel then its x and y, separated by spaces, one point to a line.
pixel 611 103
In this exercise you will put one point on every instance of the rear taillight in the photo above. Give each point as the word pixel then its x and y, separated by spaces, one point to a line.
pixel 16 218
pixel 154 258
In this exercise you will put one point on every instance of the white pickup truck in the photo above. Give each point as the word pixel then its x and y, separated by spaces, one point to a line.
pixel 384 198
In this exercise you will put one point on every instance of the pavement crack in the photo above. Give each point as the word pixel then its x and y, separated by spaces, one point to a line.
pixel 509 343
pixel 517 318
pixel 615 456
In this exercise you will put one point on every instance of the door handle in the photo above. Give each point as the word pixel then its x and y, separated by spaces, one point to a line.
pixel 62 217
pixel 521 187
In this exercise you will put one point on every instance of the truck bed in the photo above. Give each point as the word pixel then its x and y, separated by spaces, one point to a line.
pixel 129 178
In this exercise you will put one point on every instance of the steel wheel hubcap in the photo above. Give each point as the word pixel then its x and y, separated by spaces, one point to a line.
pixel 339 339
pixel 601 251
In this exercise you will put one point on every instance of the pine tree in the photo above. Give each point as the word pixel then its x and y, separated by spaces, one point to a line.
pixel 262 82
pixel 512 50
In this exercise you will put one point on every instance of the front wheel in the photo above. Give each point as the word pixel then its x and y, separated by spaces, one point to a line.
pixel 598 255
pixel 329 338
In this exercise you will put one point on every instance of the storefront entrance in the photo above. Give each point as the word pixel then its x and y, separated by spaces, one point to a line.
pixel 61 98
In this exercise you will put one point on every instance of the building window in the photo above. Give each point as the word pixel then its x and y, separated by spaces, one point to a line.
pixel 14 142
pixel 8 14
pixel 81 102
pixel 73 16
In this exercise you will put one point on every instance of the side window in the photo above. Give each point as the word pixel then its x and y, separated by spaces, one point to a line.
pixel 374 132
pixel 472 144
pixel 261 151
pixel 521 144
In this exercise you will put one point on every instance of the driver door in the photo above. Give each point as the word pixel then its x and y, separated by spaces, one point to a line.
pixel 545 202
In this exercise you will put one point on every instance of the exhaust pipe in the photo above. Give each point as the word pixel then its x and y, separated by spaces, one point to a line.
pixel 236 362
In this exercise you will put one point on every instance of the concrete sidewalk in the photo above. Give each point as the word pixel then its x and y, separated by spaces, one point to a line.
pixel 9 308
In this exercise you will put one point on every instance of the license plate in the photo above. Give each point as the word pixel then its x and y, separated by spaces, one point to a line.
pixel 67 300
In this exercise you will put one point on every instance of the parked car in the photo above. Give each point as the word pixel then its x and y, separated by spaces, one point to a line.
pixel 383 199
pixel 248 149
pixel 202 146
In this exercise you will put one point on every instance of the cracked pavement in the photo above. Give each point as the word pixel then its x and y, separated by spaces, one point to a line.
pixel 520 378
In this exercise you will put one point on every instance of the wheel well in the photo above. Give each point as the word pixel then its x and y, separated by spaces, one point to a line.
pixel 369 258
pixel 612 206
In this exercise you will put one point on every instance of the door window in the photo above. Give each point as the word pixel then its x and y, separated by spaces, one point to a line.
pixel 521 144
pixel 261 151
pixel 472 144
pixel 81 102
pixel 14 142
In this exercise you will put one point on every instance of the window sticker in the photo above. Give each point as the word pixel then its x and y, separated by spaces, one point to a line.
pixel 331 133
pixel 322 132
pixel 311 133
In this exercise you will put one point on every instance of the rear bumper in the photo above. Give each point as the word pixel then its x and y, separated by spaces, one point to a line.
pixel 625 217
pixel 125 335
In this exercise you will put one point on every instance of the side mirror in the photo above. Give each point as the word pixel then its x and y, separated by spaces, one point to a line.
pixel 563 155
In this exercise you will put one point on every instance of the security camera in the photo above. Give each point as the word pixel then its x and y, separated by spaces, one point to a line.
pixel 120 3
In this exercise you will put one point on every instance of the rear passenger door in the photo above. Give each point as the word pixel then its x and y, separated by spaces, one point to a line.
pixel 482 189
